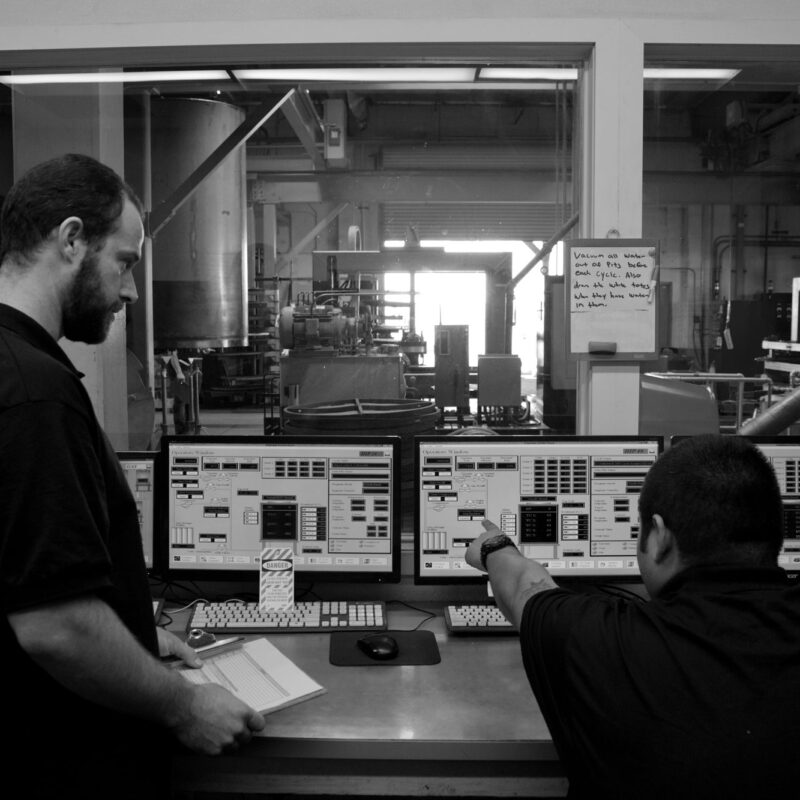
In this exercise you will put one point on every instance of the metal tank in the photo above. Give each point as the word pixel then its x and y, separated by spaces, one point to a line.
pixel 199 256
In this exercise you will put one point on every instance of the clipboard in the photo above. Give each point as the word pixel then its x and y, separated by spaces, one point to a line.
pixel 258 674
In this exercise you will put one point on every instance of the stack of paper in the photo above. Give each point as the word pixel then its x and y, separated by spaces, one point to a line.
pixel 258 674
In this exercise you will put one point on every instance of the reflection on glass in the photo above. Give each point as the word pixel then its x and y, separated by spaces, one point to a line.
pixel 249 174
pixel 720 193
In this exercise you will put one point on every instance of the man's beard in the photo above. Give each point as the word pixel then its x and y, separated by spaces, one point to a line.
pixel 87 317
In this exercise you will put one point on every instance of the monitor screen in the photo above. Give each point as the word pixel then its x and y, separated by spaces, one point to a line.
pixel 783 453
pixel 139 469
pixel 334 500
pixel 570 502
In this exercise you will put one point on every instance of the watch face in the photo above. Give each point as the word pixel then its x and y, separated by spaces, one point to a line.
pixel 494 541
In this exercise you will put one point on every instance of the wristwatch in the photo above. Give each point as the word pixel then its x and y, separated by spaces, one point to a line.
pixel 494 543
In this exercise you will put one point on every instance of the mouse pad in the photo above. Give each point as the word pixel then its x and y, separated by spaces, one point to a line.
pixel 414 647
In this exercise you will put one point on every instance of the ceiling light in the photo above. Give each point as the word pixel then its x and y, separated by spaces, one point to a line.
pixel 361 74
pixel 527 74
pixel 160 76
pixel 689 74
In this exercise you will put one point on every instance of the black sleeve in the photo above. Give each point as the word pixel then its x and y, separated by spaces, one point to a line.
pixel 547 621
pixel 54 522
pixel 582 655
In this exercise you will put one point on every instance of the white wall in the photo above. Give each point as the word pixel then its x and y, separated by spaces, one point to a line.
pixel 48 24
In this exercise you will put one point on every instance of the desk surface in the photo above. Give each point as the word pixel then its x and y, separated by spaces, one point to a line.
pixel 467 726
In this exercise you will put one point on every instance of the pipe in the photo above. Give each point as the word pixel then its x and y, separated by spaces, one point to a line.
pixel 164 388
pixel 739 267
pixel 765 279
pixel 775 419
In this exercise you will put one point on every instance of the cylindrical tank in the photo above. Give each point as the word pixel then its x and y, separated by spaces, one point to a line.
pixel 199 256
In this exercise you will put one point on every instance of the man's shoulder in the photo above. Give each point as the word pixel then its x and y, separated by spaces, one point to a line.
pixel 561 611
pixel 30 374
pixel 590 599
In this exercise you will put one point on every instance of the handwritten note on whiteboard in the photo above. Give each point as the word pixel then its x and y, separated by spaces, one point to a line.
pixel 612 295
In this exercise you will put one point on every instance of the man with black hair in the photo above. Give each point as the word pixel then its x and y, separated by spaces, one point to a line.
pixel 94 713
pixel 696 693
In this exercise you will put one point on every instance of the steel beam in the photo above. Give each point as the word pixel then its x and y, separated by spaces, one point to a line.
pixel 307 126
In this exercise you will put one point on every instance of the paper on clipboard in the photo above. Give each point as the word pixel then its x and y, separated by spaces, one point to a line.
pixel 258 674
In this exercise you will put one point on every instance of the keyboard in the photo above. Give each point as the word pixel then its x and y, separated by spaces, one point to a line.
pixel 477 618
pixel 319 616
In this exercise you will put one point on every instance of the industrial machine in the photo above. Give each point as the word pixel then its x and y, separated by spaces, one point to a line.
pixel 326 356
pixel 451 378
pixel 782 362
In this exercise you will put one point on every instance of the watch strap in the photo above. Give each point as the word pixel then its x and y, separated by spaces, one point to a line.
pixel 492 544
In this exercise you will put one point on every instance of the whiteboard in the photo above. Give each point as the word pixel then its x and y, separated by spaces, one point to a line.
pixel 612 296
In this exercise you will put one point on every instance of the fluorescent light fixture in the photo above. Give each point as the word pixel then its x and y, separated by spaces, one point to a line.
pixel 689 74
pixel 361 74
pixel 527 74
pixel 358 75
pixel 159 76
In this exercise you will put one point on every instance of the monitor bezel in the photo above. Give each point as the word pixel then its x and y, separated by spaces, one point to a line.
pixel 561 579
pixel 153 456
pixel 792 574
pixel 173 575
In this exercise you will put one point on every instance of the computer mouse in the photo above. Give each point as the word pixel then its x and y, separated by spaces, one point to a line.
pixel 379 646
pixel 197 637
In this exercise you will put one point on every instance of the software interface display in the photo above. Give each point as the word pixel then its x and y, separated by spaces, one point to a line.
pixel 783 453
pixel 568 502
pixel 139 469
pixel 333 501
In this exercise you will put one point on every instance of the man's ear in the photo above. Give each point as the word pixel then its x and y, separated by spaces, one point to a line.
pixel 69 236
pixel 661 539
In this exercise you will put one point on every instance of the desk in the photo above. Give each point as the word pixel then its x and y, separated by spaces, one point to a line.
pixel 466 727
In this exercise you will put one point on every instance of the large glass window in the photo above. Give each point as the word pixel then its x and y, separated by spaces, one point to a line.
pixel 281 197
pixel 721 170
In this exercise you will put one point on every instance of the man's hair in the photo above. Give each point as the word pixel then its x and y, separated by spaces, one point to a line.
pixel 720 498
pixel 47 194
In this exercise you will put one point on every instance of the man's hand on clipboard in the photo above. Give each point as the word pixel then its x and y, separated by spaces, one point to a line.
pixel 175 649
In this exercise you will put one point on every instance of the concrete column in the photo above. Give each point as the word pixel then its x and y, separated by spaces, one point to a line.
pixel 611 205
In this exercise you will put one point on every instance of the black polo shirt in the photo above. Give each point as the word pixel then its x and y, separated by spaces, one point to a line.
pixel 69 526
pixel 695 694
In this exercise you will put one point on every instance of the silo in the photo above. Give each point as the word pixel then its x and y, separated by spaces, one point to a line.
pixel 199 269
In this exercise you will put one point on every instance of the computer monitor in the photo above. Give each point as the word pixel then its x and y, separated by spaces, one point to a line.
pixel 334 499
pixel 570 502
pixel 140 471
pixel 783 453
